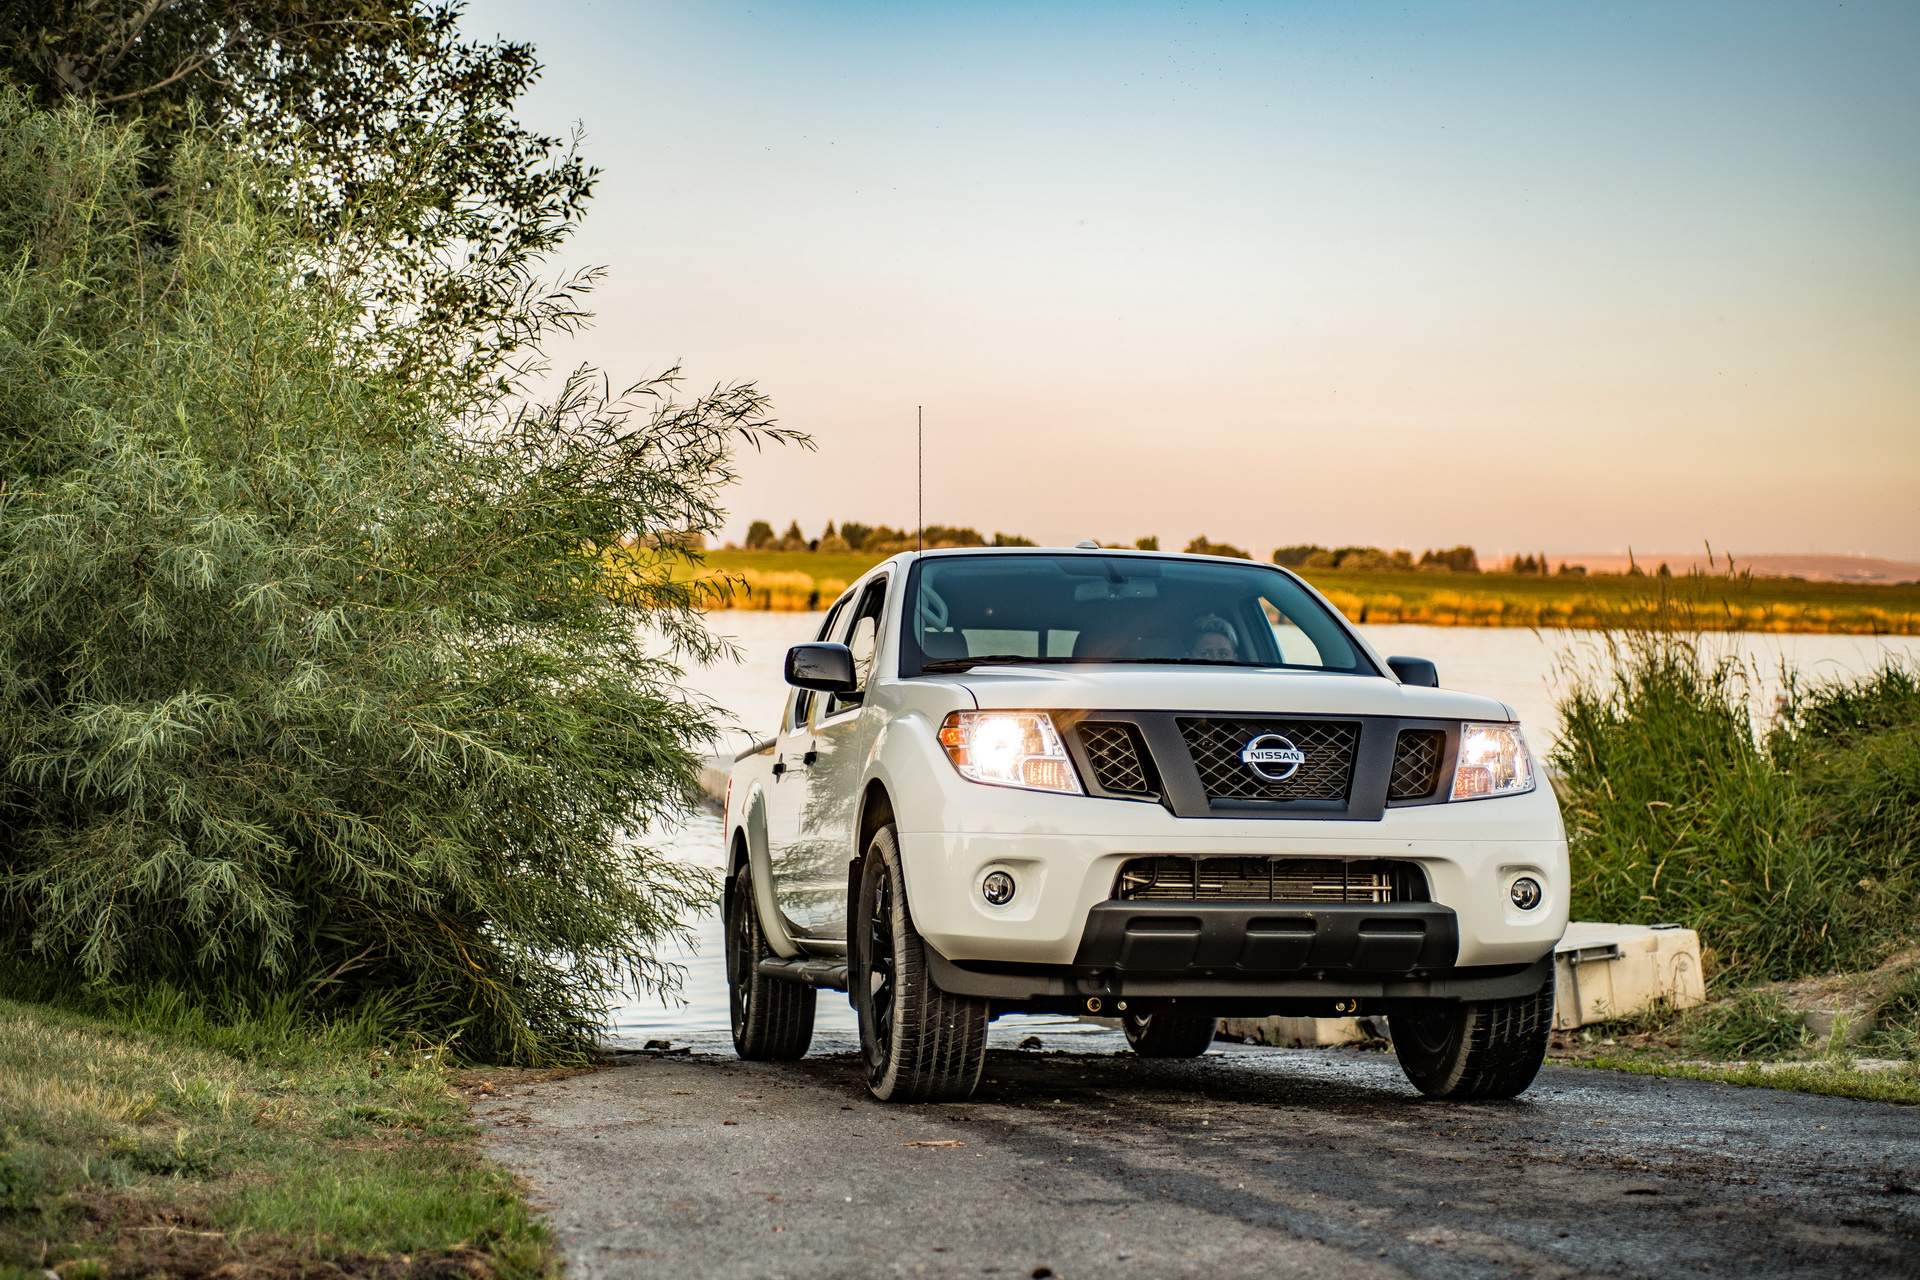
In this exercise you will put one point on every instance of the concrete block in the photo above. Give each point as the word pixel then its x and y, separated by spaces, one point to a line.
pixel 1297 1033
pixel 1607 971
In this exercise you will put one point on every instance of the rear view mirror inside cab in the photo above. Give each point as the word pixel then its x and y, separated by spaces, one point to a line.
pixel 1125 589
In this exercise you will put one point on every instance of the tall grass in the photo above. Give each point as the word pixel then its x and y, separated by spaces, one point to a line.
pixel 1792 850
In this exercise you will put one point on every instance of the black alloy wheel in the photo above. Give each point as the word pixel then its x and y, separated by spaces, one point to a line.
pixel 881 985
pixel 772 1018
pixel 917 1042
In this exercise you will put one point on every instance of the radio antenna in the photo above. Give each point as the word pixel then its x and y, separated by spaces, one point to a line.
pixel 920 476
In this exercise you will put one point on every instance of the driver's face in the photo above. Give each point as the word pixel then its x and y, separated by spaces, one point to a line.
pixel 1214 647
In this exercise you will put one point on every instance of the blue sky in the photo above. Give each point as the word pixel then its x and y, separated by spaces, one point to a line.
pixel 1564 276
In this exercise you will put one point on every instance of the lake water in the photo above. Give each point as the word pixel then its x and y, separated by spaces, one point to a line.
pixel 1525 669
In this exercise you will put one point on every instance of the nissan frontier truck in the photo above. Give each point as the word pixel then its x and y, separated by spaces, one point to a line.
pixel 1158 788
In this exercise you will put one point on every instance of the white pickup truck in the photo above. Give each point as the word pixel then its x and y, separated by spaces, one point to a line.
pixel 1162 788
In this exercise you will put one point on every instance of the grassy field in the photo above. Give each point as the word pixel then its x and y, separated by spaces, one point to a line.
pixel 794 580
pixel 126 1151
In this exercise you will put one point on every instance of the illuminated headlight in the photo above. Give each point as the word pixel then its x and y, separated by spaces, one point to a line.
pixel 1493 762
pixel 1009 749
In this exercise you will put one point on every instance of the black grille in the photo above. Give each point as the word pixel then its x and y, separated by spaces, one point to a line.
pixel 1119 765
pixel 1328 746
pixel 1416 764
pixel 1270 880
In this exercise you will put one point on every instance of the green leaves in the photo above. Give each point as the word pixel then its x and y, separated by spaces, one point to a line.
pixel 315 680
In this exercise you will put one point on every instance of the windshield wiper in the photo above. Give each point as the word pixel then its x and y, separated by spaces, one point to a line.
pixel 1189 662
pixel 1014 659
pixel 989 660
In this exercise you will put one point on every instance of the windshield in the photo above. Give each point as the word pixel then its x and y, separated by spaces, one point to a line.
pixel 968 610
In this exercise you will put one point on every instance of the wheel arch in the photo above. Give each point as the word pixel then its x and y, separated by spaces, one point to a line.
pixel 876 811
pixel 748 846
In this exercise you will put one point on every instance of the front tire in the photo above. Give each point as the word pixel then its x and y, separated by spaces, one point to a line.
pixel 1169 1033
pixel 772 1019
pixel 1476 1048
pixel 919 1043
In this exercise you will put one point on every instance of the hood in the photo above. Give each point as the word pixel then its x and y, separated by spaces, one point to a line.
pixel 1240 691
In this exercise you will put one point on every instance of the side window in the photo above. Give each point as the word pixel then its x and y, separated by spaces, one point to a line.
pixel 863 638
pixel 801 704
pixel 833 616
pixel 1297 648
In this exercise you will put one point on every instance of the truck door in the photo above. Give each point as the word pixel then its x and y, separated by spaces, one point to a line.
pixel 792 849
pixel 843 733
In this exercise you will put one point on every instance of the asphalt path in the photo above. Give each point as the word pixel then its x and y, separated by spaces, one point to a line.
pixel 1248 1162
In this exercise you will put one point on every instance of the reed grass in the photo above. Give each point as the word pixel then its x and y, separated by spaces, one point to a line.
pixel 1792 848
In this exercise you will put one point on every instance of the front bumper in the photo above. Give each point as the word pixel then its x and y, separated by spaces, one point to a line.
pixel 1311 959
pixel 1318 994
pixel 1064 876
pixel 1269 939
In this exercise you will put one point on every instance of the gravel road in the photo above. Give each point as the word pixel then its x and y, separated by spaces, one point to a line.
pixel 1250 1161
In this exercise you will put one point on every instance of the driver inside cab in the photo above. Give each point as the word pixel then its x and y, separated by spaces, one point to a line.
pixel 1214 640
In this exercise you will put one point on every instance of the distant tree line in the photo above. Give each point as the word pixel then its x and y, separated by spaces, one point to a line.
pixel 852 537
pixel 873 539
pixel 1374 560
pixel 1538 565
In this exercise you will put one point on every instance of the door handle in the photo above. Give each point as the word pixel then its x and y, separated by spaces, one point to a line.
pixel 810 757
pixel 779 767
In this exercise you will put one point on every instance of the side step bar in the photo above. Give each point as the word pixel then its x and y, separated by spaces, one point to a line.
pixel 831 974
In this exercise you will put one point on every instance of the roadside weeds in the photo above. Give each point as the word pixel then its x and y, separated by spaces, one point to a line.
pixel 139 1153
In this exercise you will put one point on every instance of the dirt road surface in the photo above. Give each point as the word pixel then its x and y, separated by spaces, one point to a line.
pixel 1249 1162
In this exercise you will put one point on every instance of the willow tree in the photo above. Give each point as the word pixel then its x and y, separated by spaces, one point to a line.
pixel 390 139
pixel 315 682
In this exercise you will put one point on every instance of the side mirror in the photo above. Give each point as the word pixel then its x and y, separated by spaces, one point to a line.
pixel 1415 671
pixel 826 667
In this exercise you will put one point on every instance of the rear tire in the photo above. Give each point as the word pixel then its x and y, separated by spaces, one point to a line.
pixel 772 1019
pixel 919 1043
pixel 1169 1033
pixel 1476 1048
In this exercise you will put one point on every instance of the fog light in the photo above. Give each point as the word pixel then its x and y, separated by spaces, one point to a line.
pixel 997 888
pixel 1526 893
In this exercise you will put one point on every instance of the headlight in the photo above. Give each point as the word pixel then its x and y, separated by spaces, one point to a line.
pixel 1009 749
pixel 1493 762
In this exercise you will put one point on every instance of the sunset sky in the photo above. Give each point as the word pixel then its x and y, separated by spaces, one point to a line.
pixel 1564 276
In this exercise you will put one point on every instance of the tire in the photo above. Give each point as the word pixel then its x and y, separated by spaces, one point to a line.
pixel 1476 1048
pixel 772 1019
pixel 918 1043
pixel 1169 1033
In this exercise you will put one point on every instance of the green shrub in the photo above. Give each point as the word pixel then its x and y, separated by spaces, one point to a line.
pixel 1790 856
pixel 316 692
